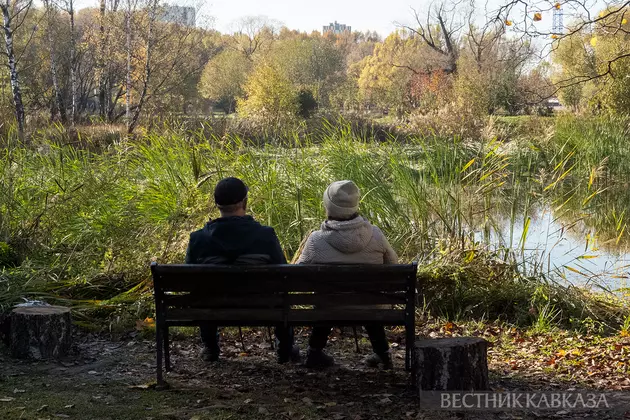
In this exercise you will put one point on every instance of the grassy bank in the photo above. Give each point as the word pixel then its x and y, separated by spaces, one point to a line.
pixel 83 219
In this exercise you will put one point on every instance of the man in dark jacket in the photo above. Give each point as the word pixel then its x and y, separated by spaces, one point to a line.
pixel 236 238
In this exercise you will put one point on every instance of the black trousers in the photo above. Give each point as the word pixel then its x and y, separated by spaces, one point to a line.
pixel 376 333
pixel 210 338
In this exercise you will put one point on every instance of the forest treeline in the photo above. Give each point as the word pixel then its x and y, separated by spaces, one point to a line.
pixel 122 62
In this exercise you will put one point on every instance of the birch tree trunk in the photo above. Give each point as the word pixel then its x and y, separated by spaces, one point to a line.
pixel 7 20
pixel 73 61
pixel 53 62
pixel 128 76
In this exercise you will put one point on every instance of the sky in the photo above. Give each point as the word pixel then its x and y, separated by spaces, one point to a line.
pixel 308 15
pixel 362 15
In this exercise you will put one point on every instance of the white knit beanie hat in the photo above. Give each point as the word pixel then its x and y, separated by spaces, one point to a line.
pixel 341 199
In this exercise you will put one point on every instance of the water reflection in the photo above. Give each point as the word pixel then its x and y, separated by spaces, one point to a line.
pixel 571 251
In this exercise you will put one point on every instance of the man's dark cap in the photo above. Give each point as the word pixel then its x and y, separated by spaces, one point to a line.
pixel 230 191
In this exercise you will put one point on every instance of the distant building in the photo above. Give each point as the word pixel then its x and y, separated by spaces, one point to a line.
pixel 337 28
pixel 183 15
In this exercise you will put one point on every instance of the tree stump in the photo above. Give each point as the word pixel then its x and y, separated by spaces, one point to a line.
pixel 451 364
pixel 40 332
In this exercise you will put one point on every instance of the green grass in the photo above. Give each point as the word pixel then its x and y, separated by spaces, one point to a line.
pixel 87 218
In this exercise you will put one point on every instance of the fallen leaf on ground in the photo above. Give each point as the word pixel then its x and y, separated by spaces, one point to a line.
pixel 143 386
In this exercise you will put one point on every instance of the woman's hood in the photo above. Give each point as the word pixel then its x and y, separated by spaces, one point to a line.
pixel 349 236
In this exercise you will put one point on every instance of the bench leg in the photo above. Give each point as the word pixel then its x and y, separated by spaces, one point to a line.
pixel 271 339
pixel 408 348
pixel 409 360
pixel 160 347
pixel 167 352
pixel 356 340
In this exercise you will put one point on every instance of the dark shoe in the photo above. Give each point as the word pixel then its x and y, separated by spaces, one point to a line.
pixel 374 360
pixel 318 359
pixel 208 356
pixel 293 356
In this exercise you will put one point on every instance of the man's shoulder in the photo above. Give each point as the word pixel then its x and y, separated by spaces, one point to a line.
pixel 266 230
pixel 196 234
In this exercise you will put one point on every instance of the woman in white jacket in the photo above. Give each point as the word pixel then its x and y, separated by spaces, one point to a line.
pixel 346 238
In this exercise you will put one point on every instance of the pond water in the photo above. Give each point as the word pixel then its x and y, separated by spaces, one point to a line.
pixel 566 252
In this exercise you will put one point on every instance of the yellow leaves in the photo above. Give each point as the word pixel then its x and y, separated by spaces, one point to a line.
pixel 557 6
pixel 537 17
pixel 593 41
pixel 624 333
pixel 466 166
pixel 567 354
pixel 147 323
pixel 575 270
pixel 508 22
pixel 624 21
pixel 602 14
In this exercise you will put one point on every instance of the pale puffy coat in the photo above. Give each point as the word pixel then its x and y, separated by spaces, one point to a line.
pixel 353 241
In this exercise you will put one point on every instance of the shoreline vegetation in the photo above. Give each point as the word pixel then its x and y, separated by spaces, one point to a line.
pixel 83 211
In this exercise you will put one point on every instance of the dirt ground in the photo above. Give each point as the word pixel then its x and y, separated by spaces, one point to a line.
pixel 107 379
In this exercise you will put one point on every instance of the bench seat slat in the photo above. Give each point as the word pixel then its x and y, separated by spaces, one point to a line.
pixel 219 315
pixel 343 299
pixel 259 300
pixel 341 315
pixel 255 317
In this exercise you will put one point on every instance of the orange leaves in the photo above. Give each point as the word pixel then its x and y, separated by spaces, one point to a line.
pixel 557 6
pixel 508 22
pixel 537 17
pixel 147 323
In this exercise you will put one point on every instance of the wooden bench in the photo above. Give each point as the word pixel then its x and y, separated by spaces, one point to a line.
pixel 295 295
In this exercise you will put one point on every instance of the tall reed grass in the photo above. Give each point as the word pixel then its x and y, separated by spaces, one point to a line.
pixel 86 221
